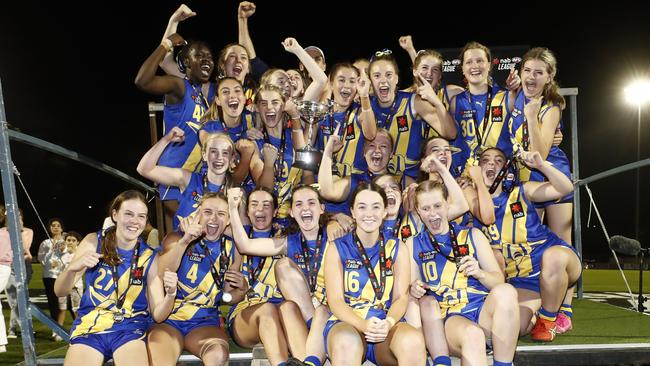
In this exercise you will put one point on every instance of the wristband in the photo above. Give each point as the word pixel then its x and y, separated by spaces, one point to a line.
pixel 167 44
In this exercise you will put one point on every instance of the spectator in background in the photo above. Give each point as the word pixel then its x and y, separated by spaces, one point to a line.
pixel 7 276
pixel 46 252
pixel 60 258
pixel 72 239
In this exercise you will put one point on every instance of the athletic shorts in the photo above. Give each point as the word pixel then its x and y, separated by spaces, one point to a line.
pixel 107 343
pixel 524 262
pixel 186 326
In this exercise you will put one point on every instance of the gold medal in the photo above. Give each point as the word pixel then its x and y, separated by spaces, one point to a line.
pixel 379 306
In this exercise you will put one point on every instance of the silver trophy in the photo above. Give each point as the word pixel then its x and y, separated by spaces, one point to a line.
pixel 308 158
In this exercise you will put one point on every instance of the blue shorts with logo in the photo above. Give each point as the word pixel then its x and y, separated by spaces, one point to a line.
pixel 186 326
pixel 370 347
pixel 530 281
pixel 470 311
pixel 107 343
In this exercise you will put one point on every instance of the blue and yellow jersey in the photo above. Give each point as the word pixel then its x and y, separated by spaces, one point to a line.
pixel 185 114
pixel 517 222
pixel 288 176
pixel 492 128
pixel 99 301
pixel 408 227
pixel 455 292
pixel 408 133
pixel 198 294
pixel 350 158
pixel 249 94
pixel 556 156
pixel 357 288
pixel 260 277
pixel 191 196
pixel 235 133
pixel 294 251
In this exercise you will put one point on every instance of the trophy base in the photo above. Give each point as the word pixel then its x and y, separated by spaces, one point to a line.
pixel 308 159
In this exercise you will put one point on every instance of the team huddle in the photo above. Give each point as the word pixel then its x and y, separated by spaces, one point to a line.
pixel 418 235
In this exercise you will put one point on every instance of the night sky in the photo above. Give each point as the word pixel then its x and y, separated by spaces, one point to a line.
pixel 68 79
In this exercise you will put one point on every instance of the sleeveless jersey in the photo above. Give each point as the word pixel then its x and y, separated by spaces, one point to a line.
pixel 288 176
pixel 198 294
pixel 235 133
pixel 408 133
pixel 260 276
pixel 491 127
pixel 185 114
pixel 556 156
pixel 350 158
pixel 454 291
pixel 295 253
pixel 358 291
pixel 99 301
pixel 192 194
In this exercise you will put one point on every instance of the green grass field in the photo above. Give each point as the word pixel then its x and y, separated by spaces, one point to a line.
pixel 593 322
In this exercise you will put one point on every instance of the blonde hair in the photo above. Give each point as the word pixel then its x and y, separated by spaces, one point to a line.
pixel 430 186
pixel 551 90
pixel 418 60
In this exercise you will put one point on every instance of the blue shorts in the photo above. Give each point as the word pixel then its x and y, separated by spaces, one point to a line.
pixel 108 343
pixel 186 326
pixel 531 263
pixel 370 347
pixel 471 311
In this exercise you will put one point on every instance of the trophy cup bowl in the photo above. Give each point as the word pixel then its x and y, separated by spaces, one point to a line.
pixel 308 158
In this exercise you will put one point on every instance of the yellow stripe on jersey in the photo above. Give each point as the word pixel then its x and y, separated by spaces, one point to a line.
pixel 101 318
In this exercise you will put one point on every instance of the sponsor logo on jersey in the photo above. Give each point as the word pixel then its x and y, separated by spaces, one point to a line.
pixel 517 210
pixel 497 114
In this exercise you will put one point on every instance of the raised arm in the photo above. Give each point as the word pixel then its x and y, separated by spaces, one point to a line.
pixel 433 111
pixel 367 116
pixel 478 197
pixel 246 149
pixel 406 42
pixel 148 166
pixel 457 202
pixel 319 79
pixel 263 171
pixel 263 247
pixel 148 81
pixel 298 135
pixel 330 189
pixel 513 85
pixel 168 63
pixel 85 257
pixel 558 185
pixel 246 10
pixel 175 245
